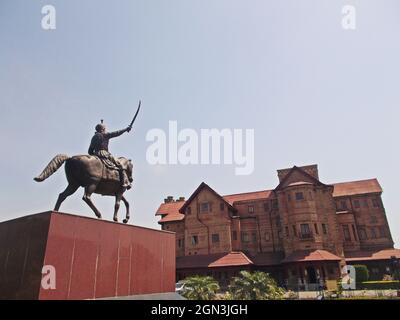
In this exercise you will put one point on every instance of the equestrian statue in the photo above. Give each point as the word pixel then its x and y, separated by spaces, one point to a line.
pixel 98 172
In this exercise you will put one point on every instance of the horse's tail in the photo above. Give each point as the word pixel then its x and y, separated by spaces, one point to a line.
pixel 52 167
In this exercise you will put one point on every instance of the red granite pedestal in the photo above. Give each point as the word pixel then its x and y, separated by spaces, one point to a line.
pixel 91 258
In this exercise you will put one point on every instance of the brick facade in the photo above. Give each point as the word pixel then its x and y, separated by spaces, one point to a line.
pixel 318 224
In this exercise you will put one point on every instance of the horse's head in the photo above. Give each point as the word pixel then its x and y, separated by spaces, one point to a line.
pixel 128 167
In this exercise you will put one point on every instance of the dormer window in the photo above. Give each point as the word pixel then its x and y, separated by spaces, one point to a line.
pixel 251 209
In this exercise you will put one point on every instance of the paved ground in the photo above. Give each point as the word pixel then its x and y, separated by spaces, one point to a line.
pixel 154 296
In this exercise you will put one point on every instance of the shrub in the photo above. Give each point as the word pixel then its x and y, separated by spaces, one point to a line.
pixel 200 288
pixel 362 273
pixel 255 286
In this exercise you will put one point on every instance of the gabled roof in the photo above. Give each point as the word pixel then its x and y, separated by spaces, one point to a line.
pixel 314 255
pixel 356 187
pixel 197 191
pixel 306 174
pixel 231 259
pixel 384 254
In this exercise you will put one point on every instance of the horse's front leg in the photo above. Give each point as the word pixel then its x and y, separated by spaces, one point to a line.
pixel 127 209
pixel 118 198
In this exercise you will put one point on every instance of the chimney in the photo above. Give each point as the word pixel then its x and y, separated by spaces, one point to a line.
pixel 181 199
pixel 169 199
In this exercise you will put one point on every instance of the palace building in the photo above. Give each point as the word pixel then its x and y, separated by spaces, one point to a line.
pixel 302 232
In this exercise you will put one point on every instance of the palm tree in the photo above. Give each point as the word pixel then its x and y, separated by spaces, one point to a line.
pixel 200 288
pixel 255 286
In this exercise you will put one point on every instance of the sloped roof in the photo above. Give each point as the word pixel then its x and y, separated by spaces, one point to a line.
pixel 213 260
pixel 268 258
pixel 231 259
pixel 247 196
pixel 314 255
pixel 173 211
pixel 170 211
pixel 356 187
pixel 372 255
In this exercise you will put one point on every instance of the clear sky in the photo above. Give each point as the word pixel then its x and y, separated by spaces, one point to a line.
pixel 312 91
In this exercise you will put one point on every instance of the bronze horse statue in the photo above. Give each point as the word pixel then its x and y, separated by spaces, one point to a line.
pixel 94 176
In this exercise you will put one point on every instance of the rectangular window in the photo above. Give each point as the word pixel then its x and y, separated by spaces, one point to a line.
pixel 289 197
pixel 215 238
pixel 234 235
pixel 254 237
pixel 356 204
pixel 195 240
pixel 267 237
pixel 362 234
pixel 250 209
pixel 287 231
pixel 294 230
pixel 365 203
pixel 346 233
pixel 376 203
pixel 266 206
pixel 299 196
pixel 305 231
pixel 204 207
pixel 324 229
pixel 343 205
pixel 275 204
pixel 222 206
pixel 179 243
pixel 316 228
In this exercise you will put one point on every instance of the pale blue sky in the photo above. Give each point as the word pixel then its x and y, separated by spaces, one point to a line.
pixel 313 92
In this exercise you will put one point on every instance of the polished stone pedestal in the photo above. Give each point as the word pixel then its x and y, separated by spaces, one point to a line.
pixel 91 258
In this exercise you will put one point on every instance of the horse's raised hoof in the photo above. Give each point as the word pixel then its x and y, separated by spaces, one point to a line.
pixel 99 217
pixel 125 221
pixel 115 219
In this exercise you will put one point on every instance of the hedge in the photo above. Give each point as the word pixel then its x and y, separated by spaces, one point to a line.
pixel 378 285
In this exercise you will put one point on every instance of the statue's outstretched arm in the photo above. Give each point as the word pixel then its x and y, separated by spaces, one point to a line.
pixel 116 133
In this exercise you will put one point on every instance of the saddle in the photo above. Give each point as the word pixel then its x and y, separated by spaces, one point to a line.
pixel 110 171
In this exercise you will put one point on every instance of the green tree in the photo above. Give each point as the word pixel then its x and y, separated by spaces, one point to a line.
pixel 200 288
pixel 255 286
pixel 362 273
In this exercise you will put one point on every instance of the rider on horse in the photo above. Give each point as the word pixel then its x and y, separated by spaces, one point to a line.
pixel 99 147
